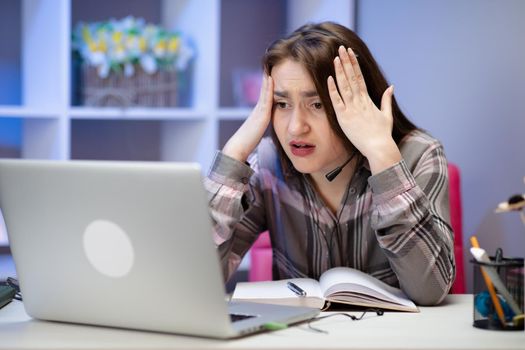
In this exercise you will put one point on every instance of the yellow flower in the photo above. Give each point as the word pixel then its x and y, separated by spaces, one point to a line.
pixel 173 44
pixel 92 46
pixel 86 35
pixel 142 44
pixel 102 46
pixel 160 47
pixel 117 37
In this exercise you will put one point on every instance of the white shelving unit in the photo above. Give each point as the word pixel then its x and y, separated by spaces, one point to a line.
pixel 186 134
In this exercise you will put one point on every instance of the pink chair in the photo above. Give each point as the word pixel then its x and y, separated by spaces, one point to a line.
pixel 261 251
pixel 456 215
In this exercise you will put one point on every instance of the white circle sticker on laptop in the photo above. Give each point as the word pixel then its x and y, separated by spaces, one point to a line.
pixel 108 248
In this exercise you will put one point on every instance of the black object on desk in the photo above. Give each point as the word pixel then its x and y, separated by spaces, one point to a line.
pixel 7 293
pixel 510 272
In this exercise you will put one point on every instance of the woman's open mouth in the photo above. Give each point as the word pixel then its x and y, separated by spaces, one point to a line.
pixel 301 149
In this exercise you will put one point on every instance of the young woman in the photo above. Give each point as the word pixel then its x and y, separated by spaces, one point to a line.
pixel 386 210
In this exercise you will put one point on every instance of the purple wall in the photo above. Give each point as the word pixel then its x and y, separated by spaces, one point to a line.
pixel 458 71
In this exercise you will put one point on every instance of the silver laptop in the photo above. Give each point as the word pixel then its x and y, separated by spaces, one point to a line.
pixel 122 244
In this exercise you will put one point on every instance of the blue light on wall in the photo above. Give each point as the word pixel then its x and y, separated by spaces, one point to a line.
pixel 10 128
pixel 10 132
pixel 10 73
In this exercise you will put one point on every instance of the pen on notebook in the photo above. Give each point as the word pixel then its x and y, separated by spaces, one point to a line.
pixel 296 289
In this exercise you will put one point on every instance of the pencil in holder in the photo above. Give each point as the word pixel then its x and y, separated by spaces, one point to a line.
pixel 498 293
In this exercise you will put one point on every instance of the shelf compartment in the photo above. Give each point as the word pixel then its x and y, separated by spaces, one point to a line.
pixel 236 114
pixel 137 113
pixel 26 112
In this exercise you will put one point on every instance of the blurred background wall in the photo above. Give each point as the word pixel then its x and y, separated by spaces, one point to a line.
pixel 457 67
pixel 458 70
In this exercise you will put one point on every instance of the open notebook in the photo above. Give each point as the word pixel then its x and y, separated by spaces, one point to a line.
pixel 342 285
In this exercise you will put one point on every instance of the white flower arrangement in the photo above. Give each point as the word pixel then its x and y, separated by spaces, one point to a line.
pixel 121 45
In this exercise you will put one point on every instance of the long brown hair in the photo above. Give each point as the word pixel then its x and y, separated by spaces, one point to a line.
pixel 315 46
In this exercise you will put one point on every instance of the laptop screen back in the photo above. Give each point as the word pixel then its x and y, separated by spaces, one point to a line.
pixel 123 244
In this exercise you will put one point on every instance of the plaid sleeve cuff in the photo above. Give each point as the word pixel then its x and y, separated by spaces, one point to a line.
pixel 230 172
pixel 391 182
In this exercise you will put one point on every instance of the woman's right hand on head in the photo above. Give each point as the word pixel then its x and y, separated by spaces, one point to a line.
pixel 248 136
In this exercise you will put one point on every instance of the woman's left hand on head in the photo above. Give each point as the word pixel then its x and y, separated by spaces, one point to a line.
pixel 367 127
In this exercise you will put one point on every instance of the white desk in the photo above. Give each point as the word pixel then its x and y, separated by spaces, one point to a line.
pixel 444 327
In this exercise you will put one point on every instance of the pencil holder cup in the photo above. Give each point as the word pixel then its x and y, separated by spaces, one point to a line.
pixel 498 293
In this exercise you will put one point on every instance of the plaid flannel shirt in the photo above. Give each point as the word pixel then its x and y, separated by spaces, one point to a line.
pixel 394 225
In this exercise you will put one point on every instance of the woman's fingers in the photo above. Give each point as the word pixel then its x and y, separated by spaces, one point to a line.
pixel 263 94
pixel 359 79
pixel 348 75
pixel 386 101
pixel 349 69
pixel 269 92
pixel 264 104
pixel 342 82
pixel 337 102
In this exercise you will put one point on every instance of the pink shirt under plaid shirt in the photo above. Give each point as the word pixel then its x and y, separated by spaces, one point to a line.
pixel 394 225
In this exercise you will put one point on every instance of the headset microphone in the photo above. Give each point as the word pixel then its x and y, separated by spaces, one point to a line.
pixel 332 174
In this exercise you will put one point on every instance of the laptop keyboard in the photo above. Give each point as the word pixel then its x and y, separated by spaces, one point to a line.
pixel 239 317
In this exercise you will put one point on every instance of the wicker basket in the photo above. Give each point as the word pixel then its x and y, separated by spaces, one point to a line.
pixel 141 89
